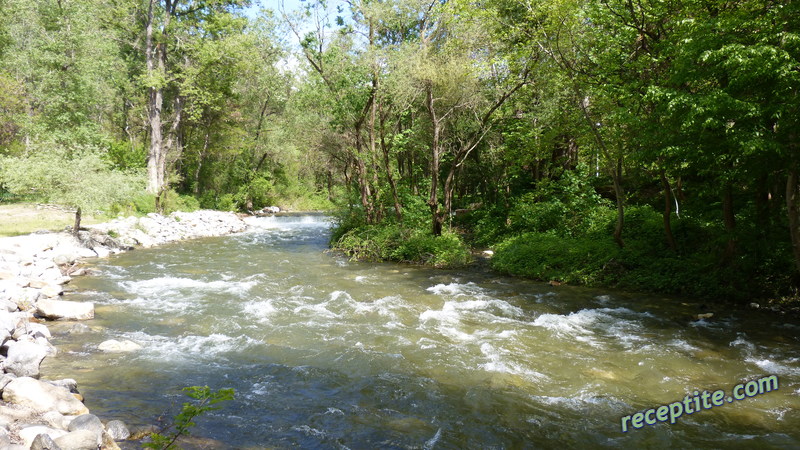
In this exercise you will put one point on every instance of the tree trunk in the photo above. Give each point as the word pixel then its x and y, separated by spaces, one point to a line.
pixel 433 201
pixel 793 210
pixel 619 193
pixel 398 210
pixel 668 212
pixel 77 226
pixel 155 100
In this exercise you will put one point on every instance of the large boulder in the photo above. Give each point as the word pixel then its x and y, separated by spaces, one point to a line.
pixel 118 430
pixel 80 440
pixel 61 309
pixel 24 358
pixel 42 397
pixel 86 422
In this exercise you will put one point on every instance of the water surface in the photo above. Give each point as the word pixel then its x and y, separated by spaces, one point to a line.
pixel 328 353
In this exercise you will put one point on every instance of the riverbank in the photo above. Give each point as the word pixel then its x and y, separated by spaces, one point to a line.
pixel 35 271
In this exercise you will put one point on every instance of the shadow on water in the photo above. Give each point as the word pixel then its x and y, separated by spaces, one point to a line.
pixel 328 353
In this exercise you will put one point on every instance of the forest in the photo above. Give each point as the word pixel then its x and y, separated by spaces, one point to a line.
pixel 649 145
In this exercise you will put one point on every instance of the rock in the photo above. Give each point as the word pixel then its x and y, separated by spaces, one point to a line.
pixel 42 397
pixel 7 305
pixel 66 383
pixel 39 330
pixel 44 442
pixel 704 316
pixel 117 430
pixel 88 422
pixel 5 379
pixel 79 328
pixel 64 259
pixel 5 439
pixel 52 290
pixel 29 434
pixel 113 345
pixel 57 420
pixel 60 309
pixel 24 358
pixel 102 252
pixel 80 440
pixel 108 442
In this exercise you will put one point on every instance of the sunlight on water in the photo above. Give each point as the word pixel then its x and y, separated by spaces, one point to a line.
pixel 324 352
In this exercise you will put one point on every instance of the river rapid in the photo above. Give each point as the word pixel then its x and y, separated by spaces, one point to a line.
pixel 328 353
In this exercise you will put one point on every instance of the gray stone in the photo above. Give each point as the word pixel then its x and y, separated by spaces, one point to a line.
pixel 29 433
pixel 118 430
pixel 108 442
pixel 44 442
pixel 23 359
pixel 42 397
pixel 66 383
pixel 88 422
pixel 60 309
pixel 80 440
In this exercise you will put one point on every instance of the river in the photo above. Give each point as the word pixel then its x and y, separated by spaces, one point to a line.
pixel 327 353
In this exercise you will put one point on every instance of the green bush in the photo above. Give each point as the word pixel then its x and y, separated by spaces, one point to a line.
pixel 392 242
pixel 79 178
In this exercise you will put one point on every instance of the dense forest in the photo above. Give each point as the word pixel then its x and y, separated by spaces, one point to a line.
pixel 643 144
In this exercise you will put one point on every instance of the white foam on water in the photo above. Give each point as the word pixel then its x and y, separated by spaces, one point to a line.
pixel 773 367
pixel 499 361
pixel 456 289
pixel 262 310
pixel 190 347
pixel 588 324
pixel 309 431
pixel 430 443
pixel 581 400
pixel 169 285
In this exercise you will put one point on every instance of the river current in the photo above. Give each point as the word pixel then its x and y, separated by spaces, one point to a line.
pixel 327 353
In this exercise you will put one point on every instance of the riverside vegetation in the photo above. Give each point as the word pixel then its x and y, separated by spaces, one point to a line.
pixel 643 145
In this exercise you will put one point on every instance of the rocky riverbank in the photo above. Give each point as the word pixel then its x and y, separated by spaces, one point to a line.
pixel 34 270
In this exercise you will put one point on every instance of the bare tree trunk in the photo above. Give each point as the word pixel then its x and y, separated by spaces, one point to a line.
pixel 77 226
pixel 155 102
pixel 433 201
pixel 668 212
pixel 619 193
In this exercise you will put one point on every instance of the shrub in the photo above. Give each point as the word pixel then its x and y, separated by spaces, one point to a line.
pixel 79 178
pixel 392 242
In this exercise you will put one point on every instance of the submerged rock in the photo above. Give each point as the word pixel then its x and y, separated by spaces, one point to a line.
pixel 113 345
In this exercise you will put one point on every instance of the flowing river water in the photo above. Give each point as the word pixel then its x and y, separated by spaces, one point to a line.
pixel 328 353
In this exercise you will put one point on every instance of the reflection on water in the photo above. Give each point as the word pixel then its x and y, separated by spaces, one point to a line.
pixel 324 352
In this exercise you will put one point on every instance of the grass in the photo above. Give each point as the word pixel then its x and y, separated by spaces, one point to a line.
pixel 25 218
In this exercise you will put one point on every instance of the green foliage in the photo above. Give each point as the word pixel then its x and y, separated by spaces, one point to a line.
pixel 205 400
pixel 78 178
pixel 393 242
